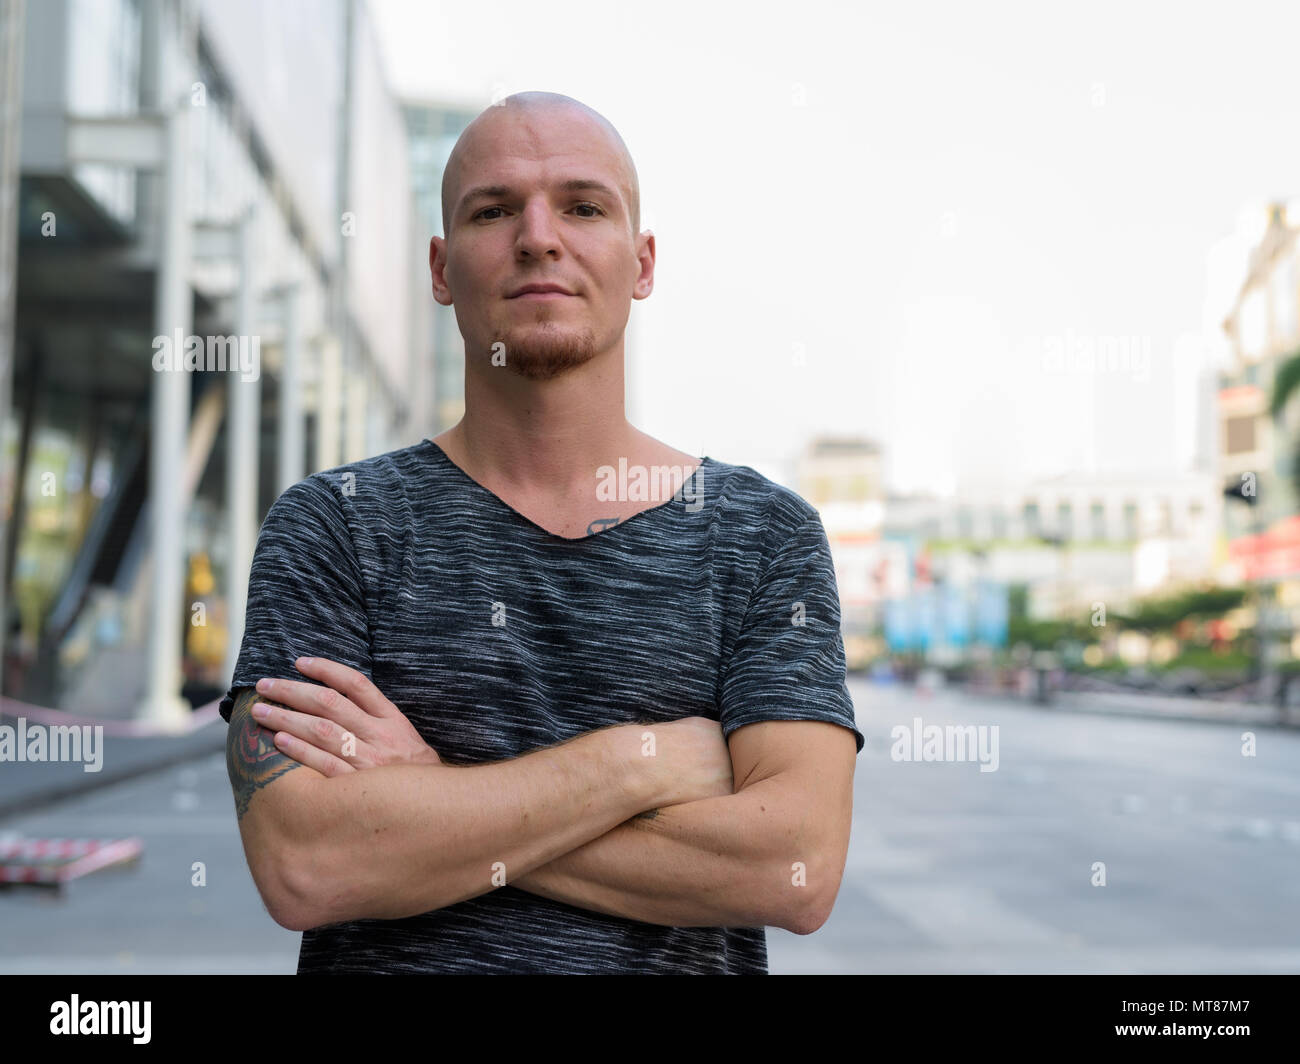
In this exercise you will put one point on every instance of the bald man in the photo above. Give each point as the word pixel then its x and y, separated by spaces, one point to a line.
pixel 542 693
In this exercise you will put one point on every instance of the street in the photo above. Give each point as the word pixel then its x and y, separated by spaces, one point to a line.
pixel 953 870
pixel 950 869
pixel 148 917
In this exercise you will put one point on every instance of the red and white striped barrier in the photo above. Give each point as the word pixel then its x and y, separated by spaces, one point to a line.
pixel 59 860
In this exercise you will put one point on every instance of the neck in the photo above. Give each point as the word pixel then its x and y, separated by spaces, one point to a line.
pixel 547 436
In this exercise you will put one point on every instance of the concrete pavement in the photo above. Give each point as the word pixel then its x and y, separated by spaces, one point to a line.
pixel 126 752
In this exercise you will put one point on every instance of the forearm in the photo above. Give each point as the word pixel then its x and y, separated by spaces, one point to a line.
pixel 400 840
pixel 742 860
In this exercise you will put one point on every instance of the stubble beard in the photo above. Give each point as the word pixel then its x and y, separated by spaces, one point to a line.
pixel 542 350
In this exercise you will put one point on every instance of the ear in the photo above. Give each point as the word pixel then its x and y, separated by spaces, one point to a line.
pixel 438 270
pixel 645 256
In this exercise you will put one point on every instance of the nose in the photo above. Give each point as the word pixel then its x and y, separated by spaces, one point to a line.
pixel 537 233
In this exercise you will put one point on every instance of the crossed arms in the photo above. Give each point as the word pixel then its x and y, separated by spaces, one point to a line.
pixel 595 822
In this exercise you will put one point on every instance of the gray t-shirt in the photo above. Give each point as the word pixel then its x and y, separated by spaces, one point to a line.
pixel 496 637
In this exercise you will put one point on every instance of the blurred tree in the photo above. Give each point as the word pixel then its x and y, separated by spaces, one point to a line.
pixel 1162 614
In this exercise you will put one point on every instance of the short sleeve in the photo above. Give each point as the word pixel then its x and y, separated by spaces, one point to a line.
pixel 788 661
pixel 305 592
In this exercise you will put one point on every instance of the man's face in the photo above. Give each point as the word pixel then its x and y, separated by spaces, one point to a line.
pixel 540 197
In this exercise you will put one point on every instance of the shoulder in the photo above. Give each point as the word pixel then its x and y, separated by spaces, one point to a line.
pixel 338 499
pixel 366 483
pixel 754 508
pixel 369 479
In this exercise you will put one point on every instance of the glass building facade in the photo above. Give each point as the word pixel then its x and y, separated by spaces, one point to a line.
pixel 232 159
pixel 434 129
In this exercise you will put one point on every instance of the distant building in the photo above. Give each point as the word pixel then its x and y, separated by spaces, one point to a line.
pixel 843 477
pixel 1263 330
pixel 1074 540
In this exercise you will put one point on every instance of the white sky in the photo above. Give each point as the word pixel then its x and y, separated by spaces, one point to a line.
pixel 919 197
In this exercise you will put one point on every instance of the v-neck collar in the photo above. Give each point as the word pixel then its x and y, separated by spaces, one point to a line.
pixel 442 456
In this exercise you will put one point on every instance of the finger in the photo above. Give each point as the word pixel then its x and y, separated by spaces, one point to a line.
pixel 314 699
pixel 354 684
pixel 319 732
pixel 306 754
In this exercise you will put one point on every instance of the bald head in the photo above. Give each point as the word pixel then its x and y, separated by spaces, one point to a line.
pixel 456 177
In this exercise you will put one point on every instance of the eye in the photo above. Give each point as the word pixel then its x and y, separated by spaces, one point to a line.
pixel 581 206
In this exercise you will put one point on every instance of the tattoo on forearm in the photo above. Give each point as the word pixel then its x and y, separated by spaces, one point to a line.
pixel 252 758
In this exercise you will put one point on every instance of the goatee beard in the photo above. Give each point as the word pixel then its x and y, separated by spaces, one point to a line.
pixel 542 352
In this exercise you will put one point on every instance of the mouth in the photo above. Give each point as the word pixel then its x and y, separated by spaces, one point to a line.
pixel 541 291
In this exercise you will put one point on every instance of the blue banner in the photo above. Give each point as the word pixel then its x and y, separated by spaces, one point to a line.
pixel 992 613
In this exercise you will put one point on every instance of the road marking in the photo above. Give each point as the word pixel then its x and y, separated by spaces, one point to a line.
pixel 961 916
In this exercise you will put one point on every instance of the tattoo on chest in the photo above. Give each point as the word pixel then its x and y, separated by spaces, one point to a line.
pixel 601 524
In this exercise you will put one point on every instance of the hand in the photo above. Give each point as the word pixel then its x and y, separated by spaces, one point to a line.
pixel 693 759
pixel 318 720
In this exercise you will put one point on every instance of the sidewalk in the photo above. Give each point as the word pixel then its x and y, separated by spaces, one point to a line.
pixel 126 752
pixel 1169 707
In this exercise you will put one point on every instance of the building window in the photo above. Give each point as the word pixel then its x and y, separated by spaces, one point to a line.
pixel 1239 434
pixel 104 79
pixel 1065 520
pixel 1130 520
pixel 1031 520
pixel 103 76
pixel 1097 516
pixel 999 524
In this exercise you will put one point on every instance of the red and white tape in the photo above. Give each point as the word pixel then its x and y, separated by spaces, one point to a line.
pixel 28 860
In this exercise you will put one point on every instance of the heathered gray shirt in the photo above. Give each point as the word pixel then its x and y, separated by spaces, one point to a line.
pixel 496 637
